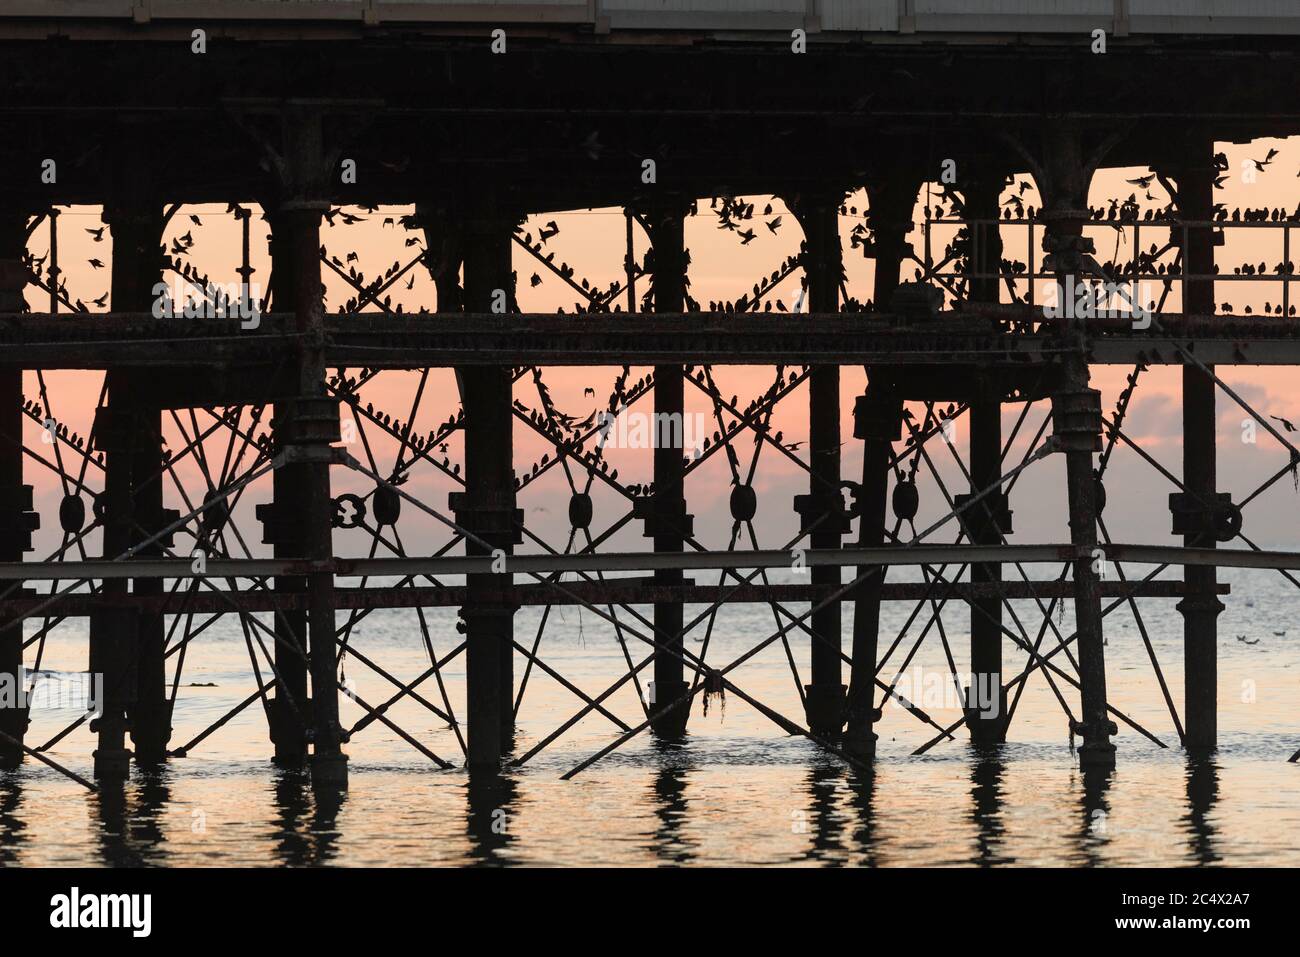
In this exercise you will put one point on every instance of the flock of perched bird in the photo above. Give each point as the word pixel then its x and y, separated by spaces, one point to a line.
pixel 579 437
pixel 744 219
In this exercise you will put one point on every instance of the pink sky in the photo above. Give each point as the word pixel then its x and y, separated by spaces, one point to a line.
pixel 722 269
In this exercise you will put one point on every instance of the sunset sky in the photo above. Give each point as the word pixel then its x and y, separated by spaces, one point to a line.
pixel 592 241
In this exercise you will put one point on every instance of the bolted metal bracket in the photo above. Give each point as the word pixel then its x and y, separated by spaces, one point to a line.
pixel 309 420
pixel 280 525
pixel 1076 421
pixel 990 513
pixel 916 302
pixel 823 509
pixel 1193 516
pixel 156 520
pixel 490 515
pixel 329 454
pixel 17 519
pixel 664 516
pixel 1083 729
pixel 120 430
pixel 878 417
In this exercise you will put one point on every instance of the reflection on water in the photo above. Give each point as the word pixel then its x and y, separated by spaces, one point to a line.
pixel 986 806
pixel 489 807
pixel 13 826
pixel 109 809
pixel 292 835
pixel 734 790
pixel 668 843
pixel 824 819
pixel 1094 816
pixel 1202 793
pixel 682 814
pixel 129 820
pixel 840 818
pixel 306 831
pixel 861 787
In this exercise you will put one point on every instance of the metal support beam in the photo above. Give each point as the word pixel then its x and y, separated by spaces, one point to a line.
pixel 984 520
pixel 307 424
pixel 16 515
pixel 667 521
pixel 622 591
pixel 1201 608
pixel 985 525
pixel 549 563
pixel 487 506
pixel 821 511
pixel 891 198
pixel 444 243
pixel 217 352
pixel 113 646
pixel 129 441
pixel 288 709
pixel 1076 411
pixel 315 426
pixel 135 219
pixel 878 421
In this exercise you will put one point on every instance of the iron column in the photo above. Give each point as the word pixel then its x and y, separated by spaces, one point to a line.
pixel 136 222
pixel 1076 421
pixel 877 421
pixel 17 519
pixel 666 520
pixel 1201 608
pixel 821 511
pixel 988 519
pixel 487 506
pixel 285 532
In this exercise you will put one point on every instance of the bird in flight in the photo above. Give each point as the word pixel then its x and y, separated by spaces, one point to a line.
pixel 1260 164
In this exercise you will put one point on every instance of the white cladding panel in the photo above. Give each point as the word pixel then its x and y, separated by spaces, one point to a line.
pixel 866 15
pixel 702 14
pixel 705 6
pixel 1214 8
pixel 1206 17
pixel 1020 8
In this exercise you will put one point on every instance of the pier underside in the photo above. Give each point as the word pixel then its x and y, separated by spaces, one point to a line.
pixel 241 463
